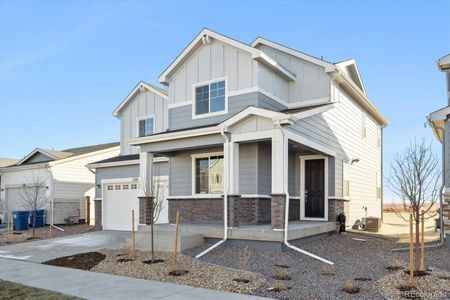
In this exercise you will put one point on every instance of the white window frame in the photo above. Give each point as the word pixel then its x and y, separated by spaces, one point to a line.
pixel 204 155
pixel 145 118
pixel 302 186
pixel 194 102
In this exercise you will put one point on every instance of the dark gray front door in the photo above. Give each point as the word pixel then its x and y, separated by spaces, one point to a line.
pixel 315 188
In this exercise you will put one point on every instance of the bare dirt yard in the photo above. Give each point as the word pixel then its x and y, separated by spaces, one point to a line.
pixel 364 268
pixel 42 233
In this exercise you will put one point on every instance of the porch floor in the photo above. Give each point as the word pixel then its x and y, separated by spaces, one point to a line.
pixel 297 230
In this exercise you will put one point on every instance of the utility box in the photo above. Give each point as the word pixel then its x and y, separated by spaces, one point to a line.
pixel 371 224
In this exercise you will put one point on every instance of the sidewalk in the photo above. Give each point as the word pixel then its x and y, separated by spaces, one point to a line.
pixel 91 285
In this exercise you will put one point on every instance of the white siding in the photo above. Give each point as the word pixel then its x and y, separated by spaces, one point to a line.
pixel 143 104
pixel 72 181
pixel 213 61
pixel 340 129
pixel 13 180
pixel 311 83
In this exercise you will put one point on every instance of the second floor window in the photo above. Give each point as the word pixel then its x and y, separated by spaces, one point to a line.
pixel 146 127
pixel 210 98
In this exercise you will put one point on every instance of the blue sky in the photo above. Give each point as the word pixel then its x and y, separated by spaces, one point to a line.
pixel 65 65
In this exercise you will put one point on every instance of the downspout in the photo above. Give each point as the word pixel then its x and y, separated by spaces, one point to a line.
pixel 286 212
pixel 441 200
pixel 52 200
pixel 225 198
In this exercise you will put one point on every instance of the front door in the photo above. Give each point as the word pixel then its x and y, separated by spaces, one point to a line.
pixel 314 189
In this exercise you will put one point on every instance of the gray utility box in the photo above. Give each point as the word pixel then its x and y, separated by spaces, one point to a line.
pixel 371 223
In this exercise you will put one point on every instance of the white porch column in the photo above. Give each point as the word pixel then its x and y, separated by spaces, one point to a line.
pixel 279 163
pixel 145 172
pixel 234 168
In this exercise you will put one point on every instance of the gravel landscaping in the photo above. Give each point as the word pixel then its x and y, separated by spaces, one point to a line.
pixel 42 233
pixel 361 264
pixel 200 273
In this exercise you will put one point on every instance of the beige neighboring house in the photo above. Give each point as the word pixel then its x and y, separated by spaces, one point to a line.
pixel 68 180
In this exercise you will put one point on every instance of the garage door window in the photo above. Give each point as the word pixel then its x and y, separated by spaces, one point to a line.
pixel 109 187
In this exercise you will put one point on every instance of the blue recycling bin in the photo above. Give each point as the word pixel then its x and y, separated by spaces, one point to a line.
pixel 20 220
pixel 40 218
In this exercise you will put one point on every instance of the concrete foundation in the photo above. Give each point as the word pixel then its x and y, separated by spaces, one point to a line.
pixel 165 240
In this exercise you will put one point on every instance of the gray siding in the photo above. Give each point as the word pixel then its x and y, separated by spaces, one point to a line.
pixel 248 170
pixel 181 117
pixel 339 129
pixel 312 81
pixel 180 183
pixel 38 157
pixel 130 171
pixel 143 104
pixel 264 168
pixel 186 143
pixel 213 61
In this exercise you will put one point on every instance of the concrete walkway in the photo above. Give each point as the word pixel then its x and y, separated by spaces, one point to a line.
pixel 43 250
pixel 91 285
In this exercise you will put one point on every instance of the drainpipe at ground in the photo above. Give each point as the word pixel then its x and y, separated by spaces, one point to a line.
pixel 225 198
pixel 286 212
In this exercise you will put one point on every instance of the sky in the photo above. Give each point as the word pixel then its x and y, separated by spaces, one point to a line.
pixel 66 65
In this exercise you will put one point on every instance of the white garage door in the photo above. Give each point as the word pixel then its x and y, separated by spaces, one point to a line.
pixel 119 199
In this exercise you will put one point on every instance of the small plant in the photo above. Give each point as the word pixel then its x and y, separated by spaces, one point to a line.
pixel 394 267
pixel 178 272
pixel 327 271
pixel 282 274
pixel 151 261
pixel 349 288
pixel 279 287
pixel 363 279
pixel 241 280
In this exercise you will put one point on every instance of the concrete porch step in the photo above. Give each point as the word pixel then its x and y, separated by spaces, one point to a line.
pixel 165 240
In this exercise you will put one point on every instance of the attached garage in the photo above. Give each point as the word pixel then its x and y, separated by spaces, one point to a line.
pixel 120 198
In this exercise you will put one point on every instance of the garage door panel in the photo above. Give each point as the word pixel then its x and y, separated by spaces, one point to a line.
pixel 119 199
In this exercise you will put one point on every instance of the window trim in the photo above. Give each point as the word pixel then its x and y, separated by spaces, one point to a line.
pixel 193 177
pixel 145 118
pixel 209 82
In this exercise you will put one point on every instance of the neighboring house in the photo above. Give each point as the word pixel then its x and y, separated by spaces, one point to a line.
pixel 440 124
pixel 68 180
pixel 259 126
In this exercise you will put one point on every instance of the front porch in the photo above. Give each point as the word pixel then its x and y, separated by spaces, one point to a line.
pixel 260 233
pixel 250 172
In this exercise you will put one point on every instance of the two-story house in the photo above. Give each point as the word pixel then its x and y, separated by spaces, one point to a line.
pixel 248 135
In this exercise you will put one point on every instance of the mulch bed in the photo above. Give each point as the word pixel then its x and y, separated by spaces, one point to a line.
pixel 83 261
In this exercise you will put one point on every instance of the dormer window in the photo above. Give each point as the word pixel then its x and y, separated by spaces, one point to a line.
pixel 146 126
pixel 210 99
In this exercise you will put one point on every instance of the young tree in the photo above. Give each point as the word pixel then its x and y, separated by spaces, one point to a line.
pixel 33 195
pixel 154 192
pixel 415 179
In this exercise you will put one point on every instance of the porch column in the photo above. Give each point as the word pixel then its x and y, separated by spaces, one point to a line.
pixel 279 179
pixel 231 175
pixel 146 187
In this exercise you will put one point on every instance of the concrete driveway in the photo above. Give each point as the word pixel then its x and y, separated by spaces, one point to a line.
pixel 39 251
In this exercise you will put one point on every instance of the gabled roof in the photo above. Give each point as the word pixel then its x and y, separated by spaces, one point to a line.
pixel 57 155
pixel 351 69
pixel 5 162
pixel 138 88
pixel 262 41
pixel 204 37
pixel 444 63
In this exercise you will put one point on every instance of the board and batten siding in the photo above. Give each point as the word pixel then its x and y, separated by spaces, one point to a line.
pixel 128 171
pixel 340 130
pixel 311 82
pixel 142 105
pixel 213 61
pixel 181 117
